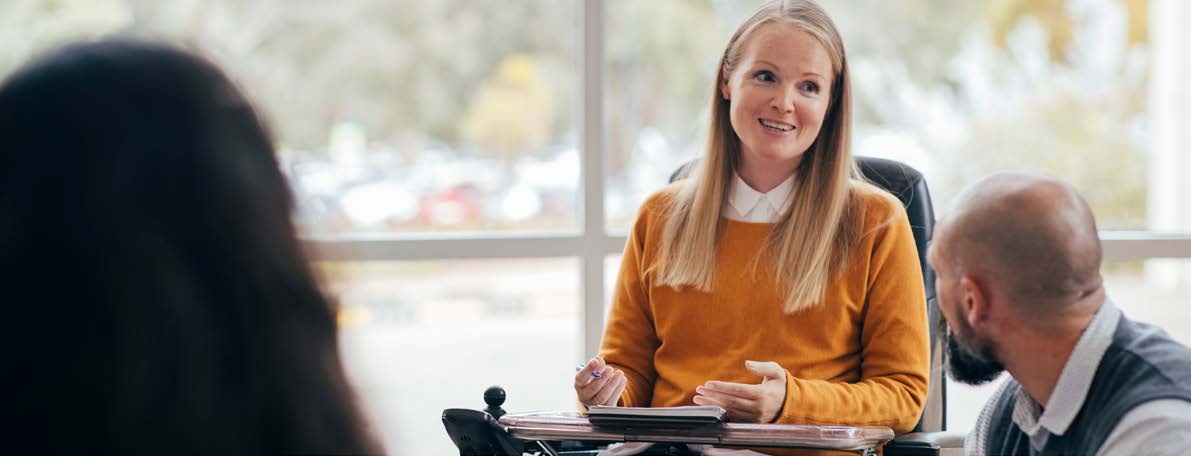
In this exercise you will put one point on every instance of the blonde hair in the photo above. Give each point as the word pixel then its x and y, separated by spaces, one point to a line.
pixel 813 239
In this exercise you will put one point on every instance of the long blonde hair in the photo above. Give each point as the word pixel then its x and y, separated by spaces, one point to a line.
pixel 812 240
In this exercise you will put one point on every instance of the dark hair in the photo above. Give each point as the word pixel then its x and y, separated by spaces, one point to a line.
pixel 157 296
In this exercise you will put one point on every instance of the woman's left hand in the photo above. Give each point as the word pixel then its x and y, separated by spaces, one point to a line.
pixel 745 402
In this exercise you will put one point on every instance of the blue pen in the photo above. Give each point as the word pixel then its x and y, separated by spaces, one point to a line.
pixel 594 373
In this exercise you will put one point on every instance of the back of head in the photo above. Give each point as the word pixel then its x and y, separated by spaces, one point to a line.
pixel 162 301
pixel 1033 237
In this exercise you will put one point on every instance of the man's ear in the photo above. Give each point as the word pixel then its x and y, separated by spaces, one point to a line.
pixel 974 303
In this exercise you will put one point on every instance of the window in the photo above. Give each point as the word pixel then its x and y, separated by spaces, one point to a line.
pixel 461 326
pixel 658 77
pixel 423 116
pixel 391 116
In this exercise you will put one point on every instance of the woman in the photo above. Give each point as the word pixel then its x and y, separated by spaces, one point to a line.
pixel 773 282
pixel 158 299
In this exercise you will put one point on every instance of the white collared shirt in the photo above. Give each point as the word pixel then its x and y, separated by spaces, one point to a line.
pixel 1158 426
pixel 748 205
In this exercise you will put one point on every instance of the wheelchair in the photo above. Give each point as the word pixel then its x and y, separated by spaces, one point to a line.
pixel 482 433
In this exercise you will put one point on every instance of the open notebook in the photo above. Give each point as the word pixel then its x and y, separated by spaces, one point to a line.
pixel 602 415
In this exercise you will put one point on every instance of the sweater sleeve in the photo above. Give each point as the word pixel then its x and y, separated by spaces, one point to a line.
pixel 894 346
pixel 630 339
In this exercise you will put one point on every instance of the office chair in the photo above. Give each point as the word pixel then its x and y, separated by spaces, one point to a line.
pixel 908 185
pixel 927 438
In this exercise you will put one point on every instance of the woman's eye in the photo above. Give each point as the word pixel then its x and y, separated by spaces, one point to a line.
pixel 810 87
pixel 764 76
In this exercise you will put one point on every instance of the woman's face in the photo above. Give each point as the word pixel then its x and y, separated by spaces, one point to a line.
pixel 778 93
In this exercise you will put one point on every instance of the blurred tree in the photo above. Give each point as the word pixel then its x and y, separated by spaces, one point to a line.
pixel 923 35
pixel 399 67
pixel 514 111
pixel 1004 16
pixel 660 58
pixel 1055 18
pixel 919 62
pixel 1069 139
pixel 28 27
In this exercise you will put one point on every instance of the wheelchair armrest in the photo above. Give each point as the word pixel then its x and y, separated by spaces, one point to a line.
pixel 477 433
pixel 926 444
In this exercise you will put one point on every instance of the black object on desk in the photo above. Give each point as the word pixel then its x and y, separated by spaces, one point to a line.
pixel 663 417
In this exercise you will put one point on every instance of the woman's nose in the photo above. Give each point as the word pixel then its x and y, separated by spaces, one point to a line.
pixel 783 101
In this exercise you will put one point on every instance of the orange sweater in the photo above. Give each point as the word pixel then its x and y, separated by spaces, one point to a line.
pixel 860 357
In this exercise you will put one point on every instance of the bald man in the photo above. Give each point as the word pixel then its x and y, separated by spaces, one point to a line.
pixel 1018 263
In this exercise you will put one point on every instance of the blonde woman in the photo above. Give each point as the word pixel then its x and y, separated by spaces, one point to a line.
pixel 773 281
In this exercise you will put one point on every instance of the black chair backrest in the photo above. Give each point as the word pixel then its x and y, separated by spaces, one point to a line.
pixel 908 185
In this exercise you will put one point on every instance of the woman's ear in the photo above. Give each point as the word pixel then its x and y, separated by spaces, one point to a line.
pixel 724 90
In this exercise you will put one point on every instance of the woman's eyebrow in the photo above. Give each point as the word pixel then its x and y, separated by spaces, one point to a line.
pixel 779 69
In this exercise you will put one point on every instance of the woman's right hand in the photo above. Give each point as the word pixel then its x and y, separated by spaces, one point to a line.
pixel 599 384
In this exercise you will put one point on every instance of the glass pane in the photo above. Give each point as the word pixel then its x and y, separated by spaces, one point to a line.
pixel 1153 291
pixel 658 81
pixel 611 272
pixel 390 115
pixel 956 89
pixel 964 402
pixel 420 337
pixel 963 89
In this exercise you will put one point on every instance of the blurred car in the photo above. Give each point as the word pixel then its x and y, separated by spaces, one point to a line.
pixel 451 206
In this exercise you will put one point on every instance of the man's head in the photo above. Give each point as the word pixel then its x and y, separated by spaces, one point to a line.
pixel 1016 252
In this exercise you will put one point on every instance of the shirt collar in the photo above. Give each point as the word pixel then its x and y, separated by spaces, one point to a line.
pixel 1072 387
pixel 744 198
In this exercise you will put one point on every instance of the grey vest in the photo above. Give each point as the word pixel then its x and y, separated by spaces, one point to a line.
pixel 1141 364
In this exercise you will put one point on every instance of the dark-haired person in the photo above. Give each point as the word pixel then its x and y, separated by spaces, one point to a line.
pixel 1018 264
pixel 157 300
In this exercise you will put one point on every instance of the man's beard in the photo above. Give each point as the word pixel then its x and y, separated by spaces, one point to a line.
pixel 969 361
pixel 971 367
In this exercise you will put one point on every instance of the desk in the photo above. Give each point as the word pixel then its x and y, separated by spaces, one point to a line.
pixel 548 426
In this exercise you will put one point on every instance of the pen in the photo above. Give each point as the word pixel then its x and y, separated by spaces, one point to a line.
pixel 594 373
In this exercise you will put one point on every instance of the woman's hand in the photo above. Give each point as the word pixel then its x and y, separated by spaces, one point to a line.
pixel 599 384
pixel 745 402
